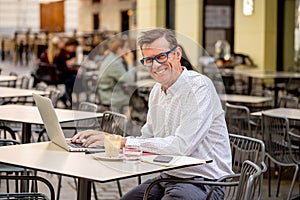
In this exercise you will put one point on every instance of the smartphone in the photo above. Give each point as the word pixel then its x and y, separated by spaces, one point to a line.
pixel 163 159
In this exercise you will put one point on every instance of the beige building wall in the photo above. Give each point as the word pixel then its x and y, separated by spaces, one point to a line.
pixel 188 25
pixel 255 35
pixel 289 35
pixel 18 15
pixel 24 14
pixel 150 14
pixel 108 10
pixel 188 22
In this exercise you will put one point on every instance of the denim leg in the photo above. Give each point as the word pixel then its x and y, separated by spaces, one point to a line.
pixel 188 191
pixel 138 192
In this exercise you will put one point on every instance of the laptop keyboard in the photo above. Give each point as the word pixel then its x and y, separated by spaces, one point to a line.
pixel 75 145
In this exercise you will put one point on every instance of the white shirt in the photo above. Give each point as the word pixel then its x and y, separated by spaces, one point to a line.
pixel 188 120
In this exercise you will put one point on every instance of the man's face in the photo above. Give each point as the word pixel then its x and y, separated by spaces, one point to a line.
pixel 71 48
pixel 167 72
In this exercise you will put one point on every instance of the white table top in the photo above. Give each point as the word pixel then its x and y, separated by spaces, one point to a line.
pixel 30 114
pixel 290 113
pixel 48 157
pixel 7 92
pixel 244 98
pixel 4 78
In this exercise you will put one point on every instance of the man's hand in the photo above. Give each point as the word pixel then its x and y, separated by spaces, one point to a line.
pixel 89 138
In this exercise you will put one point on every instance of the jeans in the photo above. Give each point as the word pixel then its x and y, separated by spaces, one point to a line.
pixel 168 191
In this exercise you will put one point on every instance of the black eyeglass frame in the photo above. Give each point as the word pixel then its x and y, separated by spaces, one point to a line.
pixel 155 57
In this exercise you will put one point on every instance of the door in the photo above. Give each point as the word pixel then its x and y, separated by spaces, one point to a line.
pixel 52 16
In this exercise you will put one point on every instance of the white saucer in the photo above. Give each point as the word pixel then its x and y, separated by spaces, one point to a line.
pixel 102 156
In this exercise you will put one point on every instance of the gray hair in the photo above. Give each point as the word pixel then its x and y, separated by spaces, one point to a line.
pixel 147 37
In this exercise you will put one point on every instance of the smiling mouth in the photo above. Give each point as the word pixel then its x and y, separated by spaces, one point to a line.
pixel 161 71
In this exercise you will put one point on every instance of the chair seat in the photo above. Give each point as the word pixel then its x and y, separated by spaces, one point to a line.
pixel 10 169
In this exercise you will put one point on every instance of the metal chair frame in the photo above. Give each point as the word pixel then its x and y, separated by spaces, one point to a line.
pixel 238 120
pixel 242 148
pixel 28 193
pixel 279 149
pixel 249 180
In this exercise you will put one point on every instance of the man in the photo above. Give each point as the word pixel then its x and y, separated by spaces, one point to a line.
pixel 185 117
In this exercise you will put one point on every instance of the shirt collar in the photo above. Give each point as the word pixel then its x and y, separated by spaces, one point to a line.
pixel 178 83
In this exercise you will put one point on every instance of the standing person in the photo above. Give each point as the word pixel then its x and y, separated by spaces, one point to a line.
pixel 65 61
pixel 116 72
pixel 185 117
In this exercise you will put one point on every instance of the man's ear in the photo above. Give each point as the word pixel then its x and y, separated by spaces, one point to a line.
pixel 179 53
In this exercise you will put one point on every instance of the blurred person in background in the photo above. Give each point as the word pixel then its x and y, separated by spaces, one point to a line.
pixel 66 63
pixel 53 48
pixel 116 73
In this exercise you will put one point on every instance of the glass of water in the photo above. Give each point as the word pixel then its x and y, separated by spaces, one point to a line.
pixel 132 153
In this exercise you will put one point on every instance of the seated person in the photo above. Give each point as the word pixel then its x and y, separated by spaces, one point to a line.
pixel 185 117
pixel 116 71
pixel 64 62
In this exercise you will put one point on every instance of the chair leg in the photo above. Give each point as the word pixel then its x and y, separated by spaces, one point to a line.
pixel 7 185
pixel 119 188
pixel 269 178
pixel 58 187
pixel 293 182
pixel 95 191
pixel 279 180
pixel 75 182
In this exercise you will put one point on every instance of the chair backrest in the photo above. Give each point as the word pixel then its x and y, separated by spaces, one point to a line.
pixel 113 122
pixel 33 193
pixel 292 86
pixel 7 133
pixel 249 182
pixel 12 83
pixel 25 81
pixel 246 148
pixel 262 93
pixel 87 123
pixel 24 84
pixel 41 86
pixel 48 73
pixel 238 119
pixel 54 96
pixel 265 105
pixel 276 137
pixel 288 102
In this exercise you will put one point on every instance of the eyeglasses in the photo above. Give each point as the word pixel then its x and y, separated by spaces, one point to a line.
pixel 160 58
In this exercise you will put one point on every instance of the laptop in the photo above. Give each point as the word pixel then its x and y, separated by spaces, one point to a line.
pixel 54 129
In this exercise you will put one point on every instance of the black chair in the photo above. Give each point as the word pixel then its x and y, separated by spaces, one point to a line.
pixel 24 84
pixel 12 83
pixel 48 73
pixel 242 148
pixel 247 185
pixel 292 87
pixel 288 101
pixel 80 126
pixel 9 169
pixel 265 105
pixel 238 120
pixel 26 193
pixel 279 149
pixel 115 123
